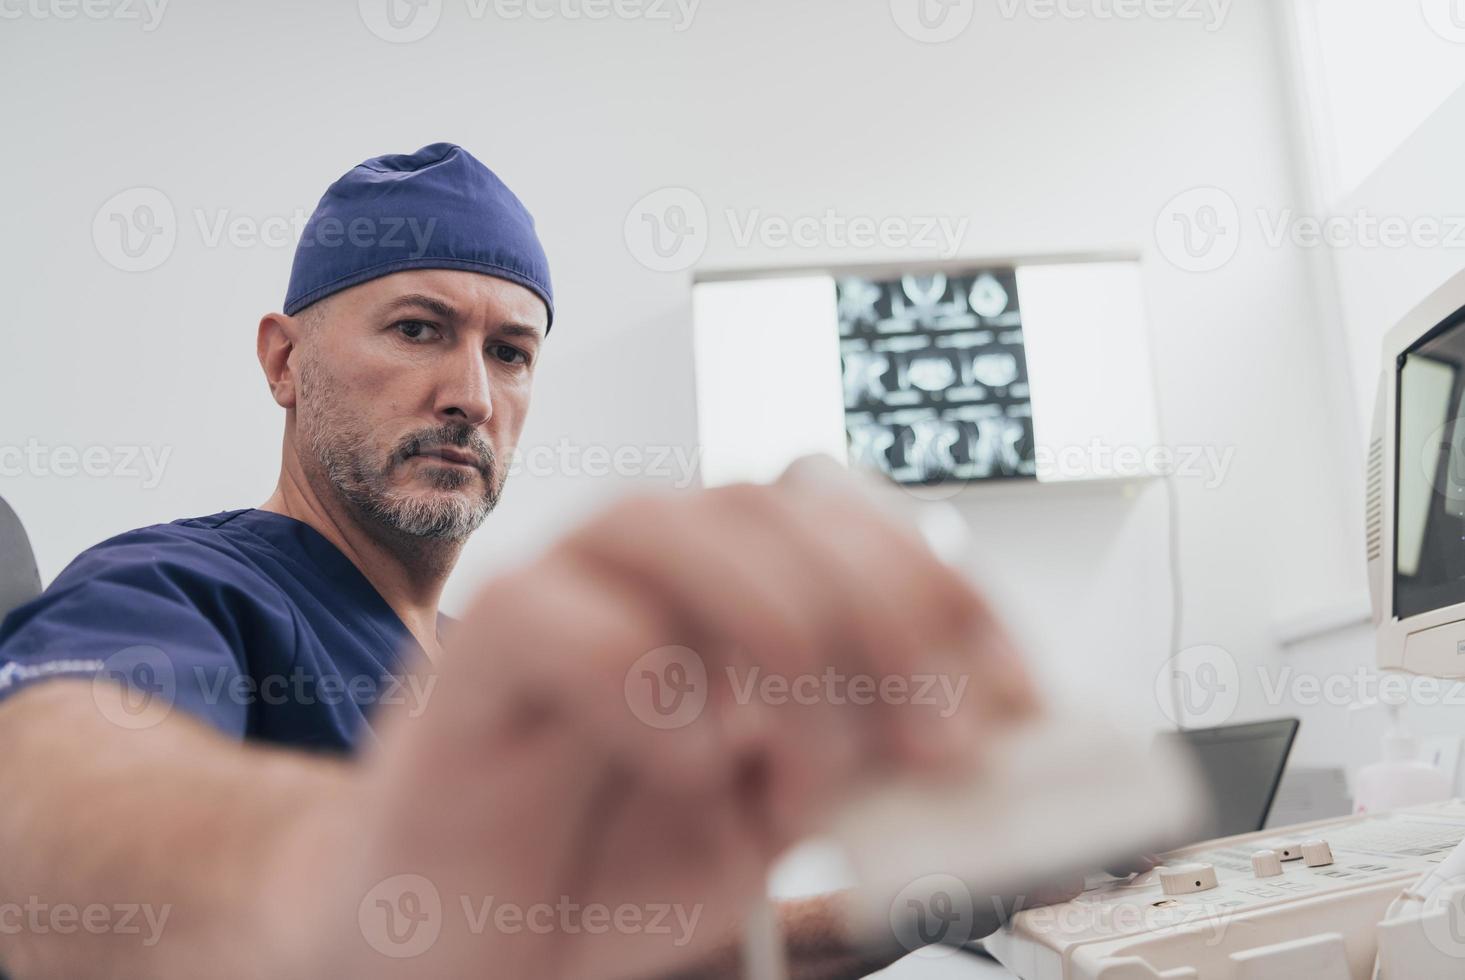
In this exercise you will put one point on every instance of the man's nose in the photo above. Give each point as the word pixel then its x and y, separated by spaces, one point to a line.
pixel 463 393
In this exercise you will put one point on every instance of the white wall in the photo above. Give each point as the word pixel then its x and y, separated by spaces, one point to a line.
pixel 1046 135
pixel 1416 184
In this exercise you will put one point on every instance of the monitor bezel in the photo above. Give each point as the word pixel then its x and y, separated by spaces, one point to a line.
pixel 1430 643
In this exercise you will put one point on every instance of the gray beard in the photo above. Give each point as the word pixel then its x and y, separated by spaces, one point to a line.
pixel 346 462
pixel 368 492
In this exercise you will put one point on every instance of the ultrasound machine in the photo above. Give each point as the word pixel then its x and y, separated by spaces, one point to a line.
pixel 1379 895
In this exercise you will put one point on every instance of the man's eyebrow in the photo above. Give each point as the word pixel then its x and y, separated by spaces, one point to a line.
pixel 521 330
pixel 447 311
pixel 431 303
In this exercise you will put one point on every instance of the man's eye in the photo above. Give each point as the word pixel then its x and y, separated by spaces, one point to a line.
pixel 416 330
pixel 508 354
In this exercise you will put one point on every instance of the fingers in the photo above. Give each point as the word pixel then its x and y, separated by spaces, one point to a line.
pixel 957 639
pixel 1007 688
pixel 789 636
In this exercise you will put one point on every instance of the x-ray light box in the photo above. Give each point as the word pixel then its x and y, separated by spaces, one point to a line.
pixel 1032 370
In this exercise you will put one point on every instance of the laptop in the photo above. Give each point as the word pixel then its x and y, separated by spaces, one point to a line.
pixel 1242 766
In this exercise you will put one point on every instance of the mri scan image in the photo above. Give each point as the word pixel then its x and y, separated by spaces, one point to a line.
pixel 935 380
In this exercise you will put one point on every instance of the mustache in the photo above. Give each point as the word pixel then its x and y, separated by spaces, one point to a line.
pixel 457 436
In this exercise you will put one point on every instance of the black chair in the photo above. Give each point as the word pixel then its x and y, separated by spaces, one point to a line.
pixel 20 580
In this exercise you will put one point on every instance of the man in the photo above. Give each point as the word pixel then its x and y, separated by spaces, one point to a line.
pixel 257 728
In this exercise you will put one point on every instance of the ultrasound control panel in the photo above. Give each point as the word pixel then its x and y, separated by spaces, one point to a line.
pixel 1276 903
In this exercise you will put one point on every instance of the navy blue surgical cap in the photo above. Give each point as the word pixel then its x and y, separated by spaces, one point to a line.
pixel 438 208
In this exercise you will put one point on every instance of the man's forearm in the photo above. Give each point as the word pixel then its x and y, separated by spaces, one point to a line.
pixel 144 852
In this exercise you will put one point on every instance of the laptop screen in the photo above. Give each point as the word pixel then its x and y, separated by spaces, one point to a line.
pixel 1241 765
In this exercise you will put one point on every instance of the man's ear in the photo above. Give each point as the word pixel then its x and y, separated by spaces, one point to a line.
pixel 278 335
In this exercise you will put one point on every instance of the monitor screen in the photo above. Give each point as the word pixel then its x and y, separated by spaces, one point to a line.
pixel 1429 511
pixel 1241 766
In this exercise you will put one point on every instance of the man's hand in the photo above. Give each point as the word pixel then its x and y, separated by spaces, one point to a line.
pixel 648 715
pixel 624 734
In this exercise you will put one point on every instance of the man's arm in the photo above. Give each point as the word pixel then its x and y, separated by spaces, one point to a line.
pixel 190 818
pixel 160 851
pixel 542 779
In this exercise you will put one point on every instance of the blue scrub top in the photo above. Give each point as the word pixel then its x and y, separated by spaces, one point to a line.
pixel 249 620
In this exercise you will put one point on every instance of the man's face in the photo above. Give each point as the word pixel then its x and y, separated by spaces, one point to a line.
pixel 412 393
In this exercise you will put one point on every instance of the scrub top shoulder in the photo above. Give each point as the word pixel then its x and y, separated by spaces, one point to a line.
pixel 252 621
